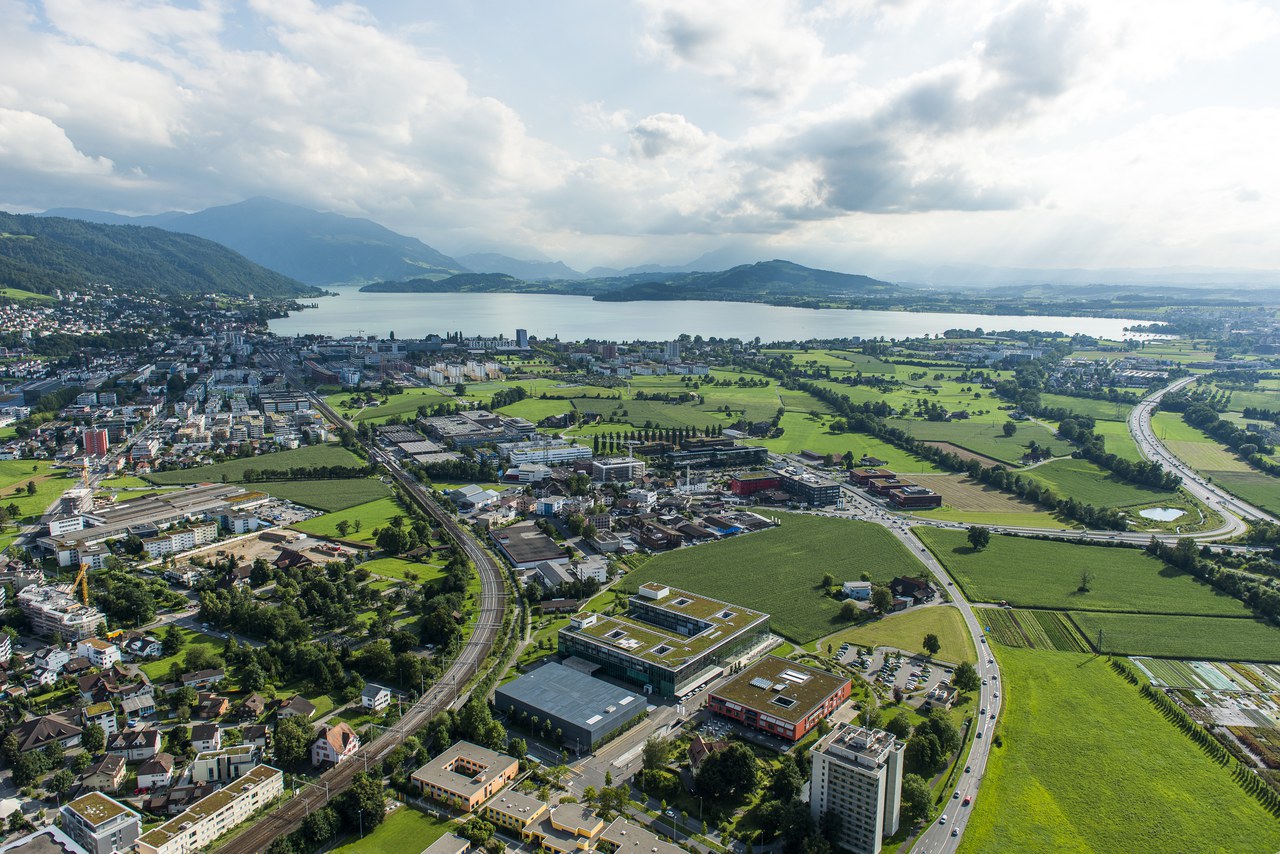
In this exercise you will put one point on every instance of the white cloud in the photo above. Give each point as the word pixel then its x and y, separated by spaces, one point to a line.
pixel 30 141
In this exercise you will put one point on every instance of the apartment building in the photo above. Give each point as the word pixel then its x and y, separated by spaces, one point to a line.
pixel 53 610
pixel 213 815
pixel 100 824
pixel 857 774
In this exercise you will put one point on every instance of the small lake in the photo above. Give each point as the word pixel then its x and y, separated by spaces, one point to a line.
pixel 577 318
pixel 1162 514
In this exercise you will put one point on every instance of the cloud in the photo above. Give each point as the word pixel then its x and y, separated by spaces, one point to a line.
pixel 30 141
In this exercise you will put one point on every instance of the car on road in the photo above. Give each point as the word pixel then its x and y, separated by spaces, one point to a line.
pixel 967 801
pixel 968 768
pixel 943 820
pixel 956 796
pixel 955 831
pixel 979 735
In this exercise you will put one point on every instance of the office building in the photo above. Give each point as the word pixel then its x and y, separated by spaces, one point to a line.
pixel 96 442
pixel 779 697
pixel 465 775
pixel 810 488
pixel 582 709
pixel 213 815
pixel 522 338
pixel 857 774
pixel 669 643
pixel 617 470
pixel 99 824
pixel 546 451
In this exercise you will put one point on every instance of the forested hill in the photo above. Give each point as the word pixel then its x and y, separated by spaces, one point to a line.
pixel 43 254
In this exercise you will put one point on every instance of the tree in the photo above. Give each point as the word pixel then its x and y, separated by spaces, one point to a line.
pixel 61 782
pixel 343 527
pixel 655 754
pixel 828 580
pixel 979 537
pixel 362 806
pixel 915 798
pixel 965 678
pixel 882 599
pixel 10 748
pixel 787 781
pixel 849 611
pixel 93 738
pixel 18 823
pixel 729 773
pixel 1086 578
pixel 899 726
pixel 292 739
pixel 476 830
pixel 931 644
pixel 171 642
pixel 1009 428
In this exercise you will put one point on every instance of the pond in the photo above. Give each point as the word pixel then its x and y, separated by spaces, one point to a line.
pixel 1162 514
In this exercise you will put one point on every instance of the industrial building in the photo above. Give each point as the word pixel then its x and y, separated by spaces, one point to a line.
pixel 857 775
pixel 670 642
pixel 582 709
pixel 779 697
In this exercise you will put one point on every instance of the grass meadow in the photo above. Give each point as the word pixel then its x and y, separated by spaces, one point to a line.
pixel 906 631
pixel 233 470
pixel 1164 636
pixel 1090 484
pixel 1087 764
pixel 373 514
pixel 1031 573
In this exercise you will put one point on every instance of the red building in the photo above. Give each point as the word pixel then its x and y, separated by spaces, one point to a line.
pixel 885 487
pixel 915 497
pixel 780 697
pixel 753 482
pixel 866 477
pixel 96 442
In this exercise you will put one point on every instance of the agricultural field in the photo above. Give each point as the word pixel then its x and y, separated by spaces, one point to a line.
pixel 963 493
pixel 906 630
pixel 1091 484
pixel 1070 779
pixel 1101 410
pixel 1253 486
pixel 1017 627
pixel 984 436
pixel 327 495
pixel 780 570
pixel 404 404
pixel 232 471
pixel 405 831
pixel 1031 573
pixel 1211 675
pixel 1118 440
pixel 803 432
pixel 373 514
pixel 1165 636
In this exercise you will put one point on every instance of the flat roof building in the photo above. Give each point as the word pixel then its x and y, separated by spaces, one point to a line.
pixel 857 775
pixel 99 824
pixel 525 546
pixel 53 609
pixel 670 642
pixel 215 814
pixel 583 709
pixel 780 697
pixel 465 775
pixel 625 837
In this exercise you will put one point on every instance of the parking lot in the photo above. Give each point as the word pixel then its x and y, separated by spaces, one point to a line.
pixel 914 674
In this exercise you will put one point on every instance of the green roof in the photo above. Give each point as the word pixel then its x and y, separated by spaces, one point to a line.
pixel 209 805
pixel 804 687
pixel 96 808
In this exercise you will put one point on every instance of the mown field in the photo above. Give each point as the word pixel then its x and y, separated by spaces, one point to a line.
pixel 49 483
pixel 1031 573
pixel 405 404
pixel 985 437
pixel 373 514
pixel 405 831
pixel 963 493
pixel 1087 764
pixel 233 470
pixel 780 570
pixel 803 432
pixel 1221 638
pixel 1253 486
pixel 1101 410
pixel 1118 439
pixel 327 495
pixel 400 569
pixel 906 631
pixel 1090 484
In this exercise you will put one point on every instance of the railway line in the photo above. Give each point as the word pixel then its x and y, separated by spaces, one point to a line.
pixel 447 692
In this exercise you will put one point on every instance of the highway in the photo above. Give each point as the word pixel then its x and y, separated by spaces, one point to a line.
pixel 447 692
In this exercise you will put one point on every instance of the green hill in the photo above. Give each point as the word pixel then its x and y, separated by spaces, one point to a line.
pixel 43 254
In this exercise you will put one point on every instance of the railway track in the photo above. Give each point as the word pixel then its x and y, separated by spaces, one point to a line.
pixel 447 692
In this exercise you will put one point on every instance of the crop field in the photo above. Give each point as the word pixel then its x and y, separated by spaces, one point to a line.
pixel 780 570
pixel 1165 636
pixel 963 493
pixel 964 453
pixel 373 514
pixel 802 432
pixel 906 631
pixel 1068 778
pixel 1208 456
pixel 1019 627
pixel 1090 484
pixel 233 470
pixel 327 495
pixel 1253 486
pixel 1031 573
pixel 984 437
pixel 1102 410
pixel 1211 675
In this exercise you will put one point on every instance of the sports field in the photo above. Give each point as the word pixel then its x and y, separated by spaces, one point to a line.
pixel 233 471
pixel 906 631
pixel 1221 638
pixel 780 570
pixel 1090 484
pixel 327 495
pixel 1087 764
pixel 1031 573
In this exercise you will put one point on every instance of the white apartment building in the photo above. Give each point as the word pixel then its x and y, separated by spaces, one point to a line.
pixel 857 774
pixel 54 610
pixel 215 814
pixel 99 824
pixel 99 652
pixel 181 540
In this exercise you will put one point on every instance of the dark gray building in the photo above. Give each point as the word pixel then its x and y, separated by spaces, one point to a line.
pixel 584 709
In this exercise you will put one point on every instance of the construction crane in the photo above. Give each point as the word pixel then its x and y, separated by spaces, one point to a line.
pixel 82 582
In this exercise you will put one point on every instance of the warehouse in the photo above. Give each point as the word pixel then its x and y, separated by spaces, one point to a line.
pixel 583 709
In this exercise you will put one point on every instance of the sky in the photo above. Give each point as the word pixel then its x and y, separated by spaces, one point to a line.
pixel 862 135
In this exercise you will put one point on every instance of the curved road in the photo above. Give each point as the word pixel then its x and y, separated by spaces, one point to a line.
pixel 447 692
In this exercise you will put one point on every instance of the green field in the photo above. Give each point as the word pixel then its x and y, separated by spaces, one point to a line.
pixel 984 437
pixel 1091 484
pixel 1089 765
pixel 405 404
pixel 405 831
pixel 327 495
pixel 1253 486
pixel 907 629
pixel 803 432
pixel 396 567
pixel 1020 627
pixel 1100 410
pixel 158 670
pixel 1031 573
pixel 232 471
pixel 1219 638
pixel 1118 439
pixel 49 482
pixel 780 570
pixel 372 515
pixel 24 296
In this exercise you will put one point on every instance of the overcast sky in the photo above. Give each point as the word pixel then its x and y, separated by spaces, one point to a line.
pixel 852 133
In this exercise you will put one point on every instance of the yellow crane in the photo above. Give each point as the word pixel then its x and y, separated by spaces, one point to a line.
pixel 82 582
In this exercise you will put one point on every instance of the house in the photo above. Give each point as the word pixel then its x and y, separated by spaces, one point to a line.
pixel 206 737
pixel 156 772
pixel 210 706
pixel 139 707
pixel 99 652
pixel 77 666
pixel 135 745
pixel 253 707
pixel 107 774
pixel 97 687
pixel 335 744
pixel 290 558
pixel 202 679
pixel 51 658
pixel 256 734
pixel 38 733
pixel 138 647
pixel 700 748
pixel 296 706
pixel 857 590
pixel 376 697
pixel 102 714
pixel 916 589
pixel 941 697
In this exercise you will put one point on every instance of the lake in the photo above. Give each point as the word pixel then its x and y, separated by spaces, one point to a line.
pixel 577 318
